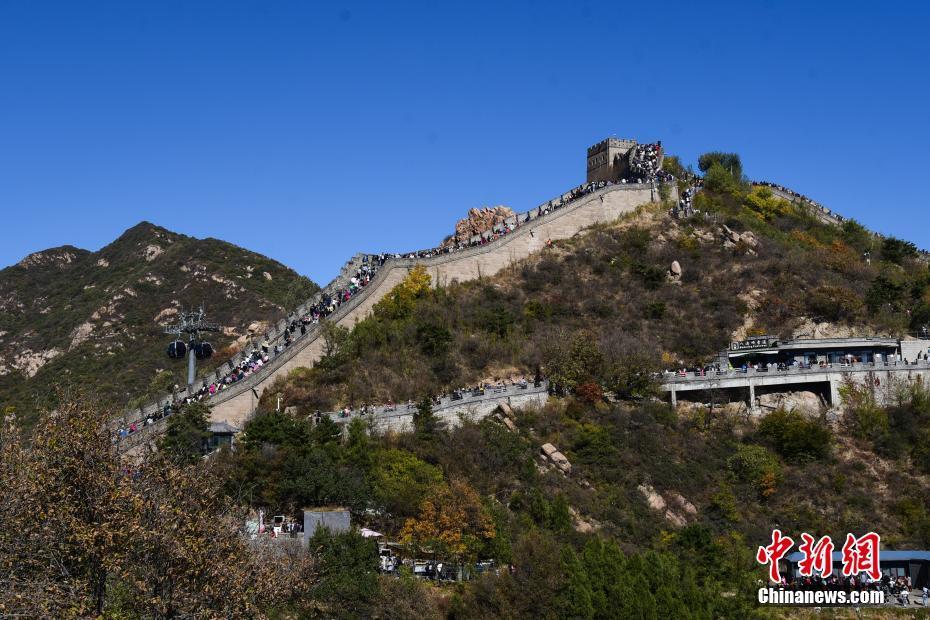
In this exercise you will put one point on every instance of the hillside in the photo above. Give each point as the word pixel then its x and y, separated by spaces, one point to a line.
pixel 750 263
pixel 661 509
pixel 73 317
pixel 656 497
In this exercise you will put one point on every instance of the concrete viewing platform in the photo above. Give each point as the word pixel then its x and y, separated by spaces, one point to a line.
pixel 827 379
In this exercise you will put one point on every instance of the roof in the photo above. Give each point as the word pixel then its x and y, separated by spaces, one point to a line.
pixel 223 428
pixel 884 556
pixel 830 343
pixel 818 344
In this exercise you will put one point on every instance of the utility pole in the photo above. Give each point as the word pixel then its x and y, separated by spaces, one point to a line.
pixel 191 323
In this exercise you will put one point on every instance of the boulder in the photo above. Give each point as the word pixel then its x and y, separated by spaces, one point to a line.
pixel 655 501
pixel 548 449
pixel 730 235
pixel 477 222
pixel 749 239
pixel 561 462
pixel 803 402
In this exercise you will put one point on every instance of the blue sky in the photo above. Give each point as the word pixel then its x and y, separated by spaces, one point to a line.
pixel 311 130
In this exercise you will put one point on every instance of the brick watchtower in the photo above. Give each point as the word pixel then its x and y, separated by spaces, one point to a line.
pixel 608 160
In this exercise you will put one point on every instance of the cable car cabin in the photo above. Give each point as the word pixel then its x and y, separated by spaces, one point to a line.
pixel 203 350
pixel 177 350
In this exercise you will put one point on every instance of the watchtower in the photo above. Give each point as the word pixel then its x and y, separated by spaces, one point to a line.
pixel 608 160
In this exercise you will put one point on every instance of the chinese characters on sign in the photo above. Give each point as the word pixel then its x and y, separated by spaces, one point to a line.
pixel 859 555
pixel 754 343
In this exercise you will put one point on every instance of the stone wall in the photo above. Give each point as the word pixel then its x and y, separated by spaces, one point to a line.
pixel 236 403
pixel 452 412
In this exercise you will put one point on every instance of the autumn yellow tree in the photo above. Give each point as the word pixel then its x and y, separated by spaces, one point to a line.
pixel 452 521
pixel 399 302
pixel 88 531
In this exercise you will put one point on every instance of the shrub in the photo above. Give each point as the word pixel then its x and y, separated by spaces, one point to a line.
pixel 796 437
pixel 864 418
pixel 833 303
pixel 897 250
pixel 589 393
pixel 719 180
pixel 654 310
pixel 757 466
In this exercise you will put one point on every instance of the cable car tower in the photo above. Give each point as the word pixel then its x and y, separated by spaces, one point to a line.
pixel 191 323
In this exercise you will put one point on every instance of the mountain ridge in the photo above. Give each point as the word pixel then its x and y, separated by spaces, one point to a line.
pixel 66 310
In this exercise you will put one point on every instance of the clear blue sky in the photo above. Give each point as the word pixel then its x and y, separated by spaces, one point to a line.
pixel 311 130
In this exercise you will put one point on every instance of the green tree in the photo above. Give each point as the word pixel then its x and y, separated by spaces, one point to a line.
pixel 857 236
pixel 574 361
pixel 719 180
pixel 359 445
pixel 348 573
pixel 276 428
pixel 728 162
pixel 896 250
pixel 425 422
pixel 796 437
pixel 575 594
pixel 632 375
pixel 401 481
pixel 885 290
pixel 185 438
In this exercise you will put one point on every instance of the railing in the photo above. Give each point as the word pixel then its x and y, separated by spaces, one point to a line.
pixel 464 399
pixel 383 412
pixel 741 373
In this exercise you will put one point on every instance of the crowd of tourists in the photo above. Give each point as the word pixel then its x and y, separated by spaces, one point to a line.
pixel 479 389
pixel 801 197
pixel 331 301
pixel 685 203
pixel 645 162
pixel 891 359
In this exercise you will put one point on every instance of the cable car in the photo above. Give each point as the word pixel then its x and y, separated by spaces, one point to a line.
pixel 203 350
pixel 177 350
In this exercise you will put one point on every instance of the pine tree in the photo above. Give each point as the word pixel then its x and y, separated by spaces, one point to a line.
pixel 185 439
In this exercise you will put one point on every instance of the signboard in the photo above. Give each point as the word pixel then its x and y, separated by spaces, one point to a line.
pixel 754 343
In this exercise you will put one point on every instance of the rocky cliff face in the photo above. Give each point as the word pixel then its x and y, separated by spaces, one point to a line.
pixel 477 222
pixel 93 319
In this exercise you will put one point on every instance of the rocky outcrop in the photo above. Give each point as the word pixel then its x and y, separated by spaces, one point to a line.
pixel 477 222
pixel 29 362
pixel 808 328
pixel 656 502
pixel 732 239
pixel 552 453
pixel 803 402
pixel 58 257
pixel 151 252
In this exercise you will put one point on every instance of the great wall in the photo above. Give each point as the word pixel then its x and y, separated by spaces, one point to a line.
pixel 556 219
pixel 599 200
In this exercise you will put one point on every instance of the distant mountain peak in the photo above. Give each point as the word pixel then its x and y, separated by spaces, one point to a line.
pixel 61 256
